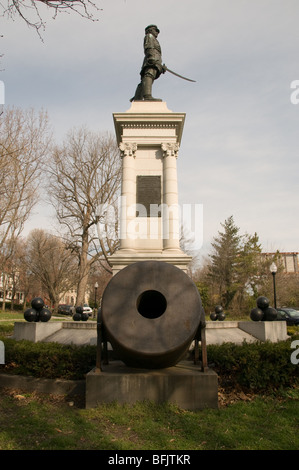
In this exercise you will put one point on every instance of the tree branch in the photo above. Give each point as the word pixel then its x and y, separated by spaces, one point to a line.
pixel 29 10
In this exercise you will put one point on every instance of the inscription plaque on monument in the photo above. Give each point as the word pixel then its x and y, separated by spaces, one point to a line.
pixel 149 196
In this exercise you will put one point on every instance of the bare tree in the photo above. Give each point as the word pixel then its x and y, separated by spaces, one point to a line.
pixel 85 179
pixel 5 255
pixel 52 263
pixel 27 283
pixel 24 143
pixel 12 271
pixel 30 10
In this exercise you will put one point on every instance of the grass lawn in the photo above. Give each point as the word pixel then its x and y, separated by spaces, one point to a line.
pixel 9 315
pixel 8 318
pixel 32 422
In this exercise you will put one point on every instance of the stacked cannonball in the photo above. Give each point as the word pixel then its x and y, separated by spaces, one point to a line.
pixel 263 311
pixel 218 314
pixel 37 312
pixel 79 315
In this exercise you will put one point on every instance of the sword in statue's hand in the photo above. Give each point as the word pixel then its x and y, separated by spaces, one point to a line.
pixel 166 69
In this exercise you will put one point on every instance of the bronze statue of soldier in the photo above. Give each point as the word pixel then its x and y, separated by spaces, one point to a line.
pixel 152 65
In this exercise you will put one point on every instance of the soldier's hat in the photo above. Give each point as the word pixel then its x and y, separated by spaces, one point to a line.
pixel 152 26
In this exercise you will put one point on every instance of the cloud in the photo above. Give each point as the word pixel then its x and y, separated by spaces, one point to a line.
pixel 239 152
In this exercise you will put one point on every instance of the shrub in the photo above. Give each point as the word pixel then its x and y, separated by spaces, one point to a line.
pixel 19 307
pixel 48 360
pixel 293 330
pixel 6 329
pixel 258 366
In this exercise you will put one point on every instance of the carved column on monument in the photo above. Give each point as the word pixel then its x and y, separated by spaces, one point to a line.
pixel 149 137
pixel 171 229
pixel 128 193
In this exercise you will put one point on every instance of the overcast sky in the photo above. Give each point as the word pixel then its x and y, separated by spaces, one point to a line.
pixel 239 152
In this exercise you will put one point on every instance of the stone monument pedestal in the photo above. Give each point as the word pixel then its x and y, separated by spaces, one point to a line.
pixel 184 385
pixel 272 331
pixel 149 137
pixel 35 331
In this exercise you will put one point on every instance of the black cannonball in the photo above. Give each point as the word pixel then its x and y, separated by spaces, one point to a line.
pixel 31 315
pixel 257 314
pixel 221 316
pixel 270 314
pixel 262 302
pixel 84 316
pixel 213 316
pixel 37 303
pixel 45 314
pixel 77 316
pixel 79 310
pixel 218 309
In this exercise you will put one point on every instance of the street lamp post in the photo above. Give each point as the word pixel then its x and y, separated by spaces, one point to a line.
pixel 95 294
pixel 273 269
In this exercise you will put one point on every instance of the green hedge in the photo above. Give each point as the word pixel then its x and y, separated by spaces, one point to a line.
pixel 48 360
pixel 258 366
pixel 19 307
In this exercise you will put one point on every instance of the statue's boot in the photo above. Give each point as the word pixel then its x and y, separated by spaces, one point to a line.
pixel 138 93
pixel 147 83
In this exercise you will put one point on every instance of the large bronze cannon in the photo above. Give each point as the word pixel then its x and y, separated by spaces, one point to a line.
pixel 151 312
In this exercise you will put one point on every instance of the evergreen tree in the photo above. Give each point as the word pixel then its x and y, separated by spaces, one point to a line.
pixel 224 260
pixel 235 267
pixel 249 268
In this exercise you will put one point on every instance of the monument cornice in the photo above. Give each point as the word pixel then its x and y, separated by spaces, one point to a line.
pixel 151 125
pixel 149 116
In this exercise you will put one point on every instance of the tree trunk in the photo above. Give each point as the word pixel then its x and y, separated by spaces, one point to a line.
pixel 4 292
pixel 84 268
pixel 13 292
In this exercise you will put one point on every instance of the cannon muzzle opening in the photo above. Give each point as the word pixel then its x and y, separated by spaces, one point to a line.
pixel 151 304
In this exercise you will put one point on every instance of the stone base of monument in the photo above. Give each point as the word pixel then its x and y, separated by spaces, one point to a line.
pixel 35 331
pixel 122 258
pixel 64 332
pixel 184 385
pixel 81 333
pixel 272 331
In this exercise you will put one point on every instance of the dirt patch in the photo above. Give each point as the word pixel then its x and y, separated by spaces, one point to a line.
pixel 227 397
pixel 25 397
